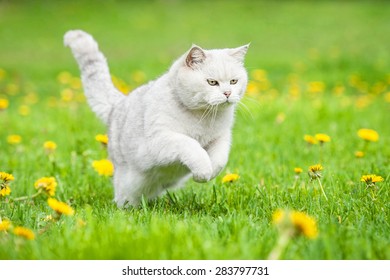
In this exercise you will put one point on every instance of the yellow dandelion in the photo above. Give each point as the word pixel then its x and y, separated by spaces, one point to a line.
pixel 310 139
pixel 298 170
pixel 31 98
pixel 359 154
pixel 103 167
pixel 278 216
pixel 4 103
pixel 387 97
pixel 322 138
pixel 304 224
pixel 64 77
pixel 229 178
pixel 14 139
pixel 315 171
pixel 316 87
pixel 102 138
pixel 280 118
pixel 49 146
pixel 12 89
pixel 47 184
pixel 371 179
pixel 368 134
pixel 4 225
pixel 296 223
pixel 291 224
pixel 5 190
pixel 60 207
pixel 67 95
pixel 138 76
pixel 2 74
pixel 6 177
pixel 252 88
pixel 75 83
pixel 24 110
pixel 24 232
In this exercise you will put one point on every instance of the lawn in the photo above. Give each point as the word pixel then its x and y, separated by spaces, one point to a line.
pixel 314 66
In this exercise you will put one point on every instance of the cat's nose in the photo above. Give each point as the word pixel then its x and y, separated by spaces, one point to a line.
pixel 227 93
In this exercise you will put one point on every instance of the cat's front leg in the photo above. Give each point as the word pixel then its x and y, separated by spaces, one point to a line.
pixel 172 147
pixel 219 153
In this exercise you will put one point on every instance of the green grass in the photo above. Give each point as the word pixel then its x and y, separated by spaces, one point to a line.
pixel 324 41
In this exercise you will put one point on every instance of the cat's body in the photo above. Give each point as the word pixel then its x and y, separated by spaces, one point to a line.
pixel 169 129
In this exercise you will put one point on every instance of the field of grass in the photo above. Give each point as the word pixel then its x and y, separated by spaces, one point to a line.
pixel 315 67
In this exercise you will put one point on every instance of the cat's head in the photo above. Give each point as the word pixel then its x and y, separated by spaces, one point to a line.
pixel 211 77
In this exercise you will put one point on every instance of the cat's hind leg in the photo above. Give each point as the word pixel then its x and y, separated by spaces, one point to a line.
pixel 128 185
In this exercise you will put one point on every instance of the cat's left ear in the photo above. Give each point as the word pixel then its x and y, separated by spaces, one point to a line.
pixel 239 53
pixel 195 56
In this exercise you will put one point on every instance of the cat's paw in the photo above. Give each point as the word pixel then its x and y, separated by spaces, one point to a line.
pixel 203 175
pixel 80 41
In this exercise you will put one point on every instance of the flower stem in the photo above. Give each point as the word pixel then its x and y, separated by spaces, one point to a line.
pixel 28 197
pixel 322 189
pixel 280 247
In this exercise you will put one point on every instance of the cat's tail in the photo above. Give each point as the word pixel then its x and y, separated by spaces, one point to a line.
pixel 98 87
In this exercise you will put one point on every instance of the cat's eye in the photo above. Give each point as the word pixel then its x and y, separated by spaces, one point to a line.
pixel 212 82
pixel 233 82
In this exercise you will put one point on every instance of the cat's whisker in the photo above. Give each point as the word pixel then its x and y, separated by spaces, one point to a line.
pixel 214 116
pixel 245 109
pixel 252 100
pixel 206 113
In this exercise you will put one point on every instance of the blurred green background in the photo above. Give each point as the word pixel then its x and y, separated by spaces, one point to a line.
pixel 149 35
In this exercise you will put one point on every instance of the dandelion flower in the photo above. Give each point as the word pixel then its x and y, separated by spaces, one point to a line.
pixel 359 154
pixel 24 232
pixel 304 224
pixel 102 138
pixel 368 134
pixel 4 103
pixel 296 223
pixel 14 139
pixel 103 167
pixel 60 207
pixel 310 139
pixel 316 87
pixel 24 110
pixel 229 178
pixel 291 224
pixel 47 184
pixel 5 225
pixel 315 171
pixel 6 177
pixel 49 146
pixel 5 190
pixel 322 138
pixel 298 170
pixel 278 216
pixel 64 77
pixel 371 179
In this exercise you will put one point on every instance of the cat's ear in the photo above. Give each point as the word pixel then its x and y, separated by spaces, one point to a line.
pixel 239 53
pixel 195 56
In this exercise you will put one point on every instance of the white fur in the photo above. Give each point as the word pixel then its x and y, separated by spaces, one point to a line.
pixel 169 129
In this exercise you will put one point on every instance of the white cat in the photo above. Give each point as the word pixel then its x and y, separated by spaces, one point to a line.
pixel 164 131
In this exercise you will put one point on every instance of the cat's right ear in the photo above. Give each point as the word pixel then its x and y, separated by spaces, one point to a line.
pixel 195 56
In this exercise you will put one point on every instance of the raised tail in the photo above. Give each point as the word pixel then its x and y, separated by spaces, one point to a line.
pixel 98 87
